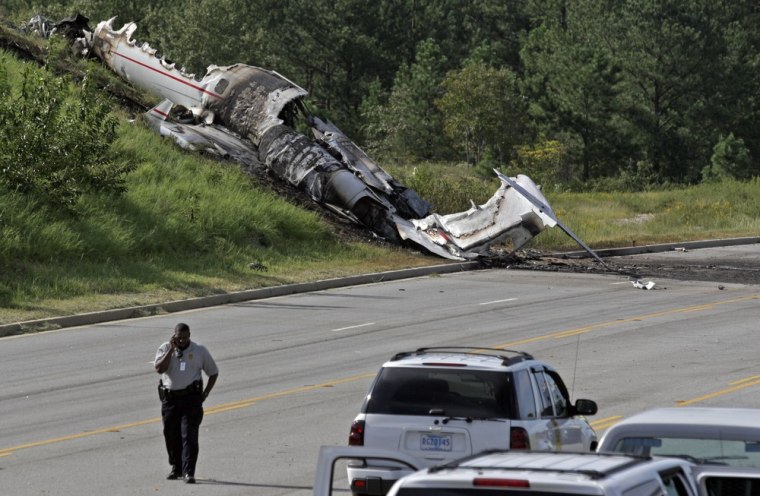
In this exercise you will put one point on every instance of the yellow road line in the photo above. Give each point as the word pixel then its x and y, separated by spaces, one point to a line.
pixel 741 384
pixel 207 411
pixel 753 380
pixel 7 451
pixel 625 320
pixel 605 422
pixel 746 379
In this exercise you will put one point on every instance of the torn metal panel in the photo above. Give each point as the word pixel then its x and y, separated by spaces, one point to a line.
pixel 214 140
pixel 541 203
pixel 408 202
pixel 39 26
pixel 508 214
pixel 643 285
pixel 250 114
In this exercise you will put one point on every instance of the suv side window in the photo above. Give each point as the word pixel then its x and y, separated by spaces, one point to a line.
pixel 553 401
pixel 650 487
pixel 526 402
pixel 559 394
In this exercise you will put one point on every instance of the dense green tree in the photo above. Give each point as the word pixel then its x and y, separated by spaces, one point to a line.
pixel 643 82
pixel 735 101
pixel 576 84
pixel 332 49
pixel 483 111
pixel 199 33
pixel 670 52
pixel 631 88
pixel 95 10
pixel 409 123
pixel 497 26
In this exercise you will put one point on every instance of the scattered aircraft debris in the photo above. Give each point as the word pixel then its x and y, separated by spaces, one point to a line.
pixel 249 114
pixel 643 285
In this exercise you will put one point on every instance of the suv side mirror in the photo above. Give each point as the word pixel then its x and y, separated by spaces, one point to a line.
pixel 586 407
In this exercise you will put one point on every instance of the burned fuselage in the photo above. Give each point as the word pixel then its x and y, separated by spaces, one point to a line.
pixel 252 109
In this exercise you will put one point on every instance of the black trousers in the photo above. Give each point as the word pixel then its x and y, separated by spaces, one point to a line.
pixel 182 419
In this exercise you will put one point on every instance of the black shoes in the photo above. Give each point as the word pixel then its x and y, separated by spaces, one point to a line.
pixel 174 475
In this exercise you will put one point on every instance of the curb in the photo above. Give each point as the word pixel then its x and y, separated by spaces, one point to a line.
pixel 269 292
pixel 638 250
pixel 223 299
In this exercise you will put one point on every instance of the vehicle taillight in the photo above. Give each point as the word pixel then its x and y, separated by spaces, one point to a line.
pixel 489 482
pixel 518 439
pixel 356 437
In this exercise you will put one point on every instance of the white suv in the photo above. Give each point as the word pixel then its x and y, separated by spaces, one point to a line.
pixel 440 404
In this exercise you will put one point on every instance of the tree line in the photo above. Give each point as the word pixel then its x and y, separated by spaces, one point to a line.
pixel 578 94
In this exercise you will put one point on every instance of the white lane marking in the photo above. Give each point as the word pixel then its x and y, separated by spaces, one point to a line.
pixel 497 301
pixel 353 327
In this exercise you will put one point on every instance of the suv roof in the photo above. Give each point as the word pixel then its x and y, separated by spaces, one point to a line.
pixel 589 465
pixel 705 421
pixel 464 355
pixel 550 473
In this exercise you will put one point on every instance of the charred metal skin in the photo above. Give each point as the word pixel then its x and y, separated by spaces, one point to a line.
pixel 214 140
pixel 249 113
pixel 493 222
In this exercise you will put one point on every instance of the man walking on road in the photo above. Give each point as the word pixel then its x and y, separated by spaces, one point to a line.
pixel 180 362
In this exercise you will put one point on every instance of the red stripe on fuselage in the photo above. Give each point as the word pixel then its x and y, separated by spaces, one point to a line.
pixel 180 80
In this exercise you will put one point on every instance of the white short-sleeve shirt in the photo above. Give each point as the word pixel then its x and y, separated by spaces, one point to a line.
pixel 184 371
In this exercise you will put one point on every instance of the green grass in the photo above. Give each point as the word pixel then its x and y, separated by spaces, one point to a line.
pixel 704 211
pixel 186 226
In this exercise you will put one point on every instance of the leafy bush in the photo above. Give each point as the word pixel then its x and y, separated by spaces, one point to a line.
pixel 55 140
pixel 448 189
pixel 730 159
pixel 545 162
pixel 631 178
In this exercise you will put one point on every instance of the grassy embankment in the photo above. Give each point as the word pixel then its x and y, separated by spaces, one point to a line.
pixel 189 226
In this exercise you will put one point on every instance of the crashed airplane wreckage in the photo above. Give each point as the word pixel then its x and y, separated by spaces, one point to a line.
pixel 248 113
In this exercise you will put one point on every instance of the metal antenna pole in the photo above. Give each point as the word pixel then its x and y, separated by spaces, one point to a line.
pixel 575 366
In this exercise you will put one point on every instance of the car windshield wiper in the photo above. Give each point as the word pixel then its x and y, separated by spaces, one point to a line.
pixel 710 460
pixel 688 458
pixel 716 460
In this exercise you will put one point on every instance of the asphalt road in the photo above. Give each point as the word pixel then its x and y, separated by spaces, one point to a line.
pixel 80 414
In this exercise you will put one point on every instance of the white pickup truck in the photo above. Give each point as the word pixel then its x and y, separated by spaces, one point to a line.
pixel 525 473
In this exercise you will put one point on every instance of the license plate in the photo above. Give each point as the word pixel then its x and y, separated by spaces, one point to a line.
pixel 429 442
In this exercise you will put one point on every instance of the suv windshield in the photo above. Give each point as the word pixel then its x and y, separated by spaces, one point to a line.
pixel 706 451
pixel 454 391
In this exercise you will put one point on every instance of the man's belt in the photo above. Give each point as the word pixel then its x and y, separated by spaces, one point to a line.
pixel 194 388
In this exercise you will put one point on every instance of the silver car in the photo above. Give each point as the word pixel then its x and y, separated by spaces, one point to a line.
pixel 704 435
